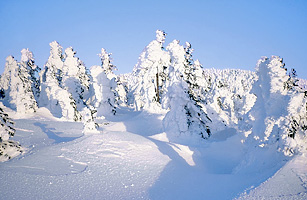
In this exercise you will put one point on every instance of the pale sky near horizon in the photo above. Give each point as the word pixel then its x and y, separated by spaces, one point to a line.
pixel 224 34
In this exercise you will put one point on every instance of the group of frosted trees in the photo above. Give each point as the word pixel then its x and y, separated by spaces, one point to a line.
pixel 167 78
pixel 267 105
pixel 64 86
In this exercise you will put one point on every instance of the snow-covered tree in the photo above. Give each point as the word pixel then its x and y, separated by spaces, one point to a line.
pixel 11 66
pixel 28 87
pixel 121 91
pixel 268 115
pixel 53 70
pixel 6 128
pixel 103 99
pixel 292 81
pixel 298 115
pixel 19 84
pixel 186 115
pixel 28 59
pixel 54 96
pixel 8 148
pixel 226 95
pixel 115 83
pixel 10 76
pixel 117 86
pixel 296 121
pixel 75 77
pixel 90 126
pixel 106 63
pixel 150 74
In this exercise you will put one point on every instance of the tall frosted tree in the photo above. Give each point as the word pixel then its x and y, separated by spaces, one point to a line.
pixel 186 116
pixel 20 84
pixel 192 73
pixel 10 68
pixel 298 115
pixel 296 126
pixel 150 73
pixel 106 63
pixel 271 107
pixel 103 99
pixel 75 79
pixel 33 70
pixel 117 86
pixel 28 89
pixel 54 96
pixel 9 76
pixel 54 66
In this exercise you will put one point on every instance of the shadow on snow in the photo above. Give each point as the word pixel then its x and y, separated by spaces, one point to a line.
pixel 213 175
pixel 52 134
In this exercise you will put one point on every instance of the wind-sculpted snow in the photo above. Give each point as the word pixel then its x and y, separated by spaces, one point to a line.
pixel 112 165
pixel 132 159
pixel 288 183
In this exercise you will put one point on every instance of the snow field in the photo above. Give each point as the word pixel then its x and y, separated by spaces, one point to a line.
pixel 125 161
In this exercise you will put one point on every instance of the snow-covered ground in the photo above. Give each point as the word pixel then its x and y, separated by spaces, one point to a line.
pixel 131 158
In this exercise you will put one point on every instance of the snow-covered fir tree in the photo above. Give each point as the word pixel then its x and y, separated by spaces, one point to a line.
pixel 150 74
pixel 8 148
pixel 28 89
pixel 53 96
pixel 54 66
pixel 75 79
pixel 89 124
pixel 298 115
pixel 121 91
pixel 186 115
pixel 296 126
pixel 106 63
pixel 103 99
pixel 27 57
pixel 10 76
pixel 10 65
pixel 19 84
pixel 6 128
pixel 268 115
pixel 117 87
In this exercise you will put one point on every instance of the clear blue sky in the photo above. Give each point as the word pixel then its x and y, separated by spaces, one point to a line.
pixel 224 34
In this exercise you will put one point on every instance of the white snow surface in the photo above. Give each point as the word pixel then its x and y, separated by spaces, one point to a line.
pixel 132 158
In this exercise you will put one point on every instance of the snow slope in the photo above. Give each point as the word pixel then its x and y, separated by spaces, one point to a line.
pixel 131 158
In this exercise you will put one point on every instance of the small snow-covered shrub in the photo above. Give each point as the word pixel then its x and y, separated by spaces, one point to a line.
pixel 9 149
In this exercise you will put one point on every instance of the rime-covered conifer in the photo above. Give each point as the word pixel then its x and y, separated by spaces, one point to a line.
pixel 10 76
pixel 150 73
pixel 8 148
pixel 90 126
pixel 54 96
pixel 103 99
pixel 19 84
pixel 106 63
pixel 28 89
pixel 268 115
pixel 117 86
pixel 75 77
pixel 185 115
